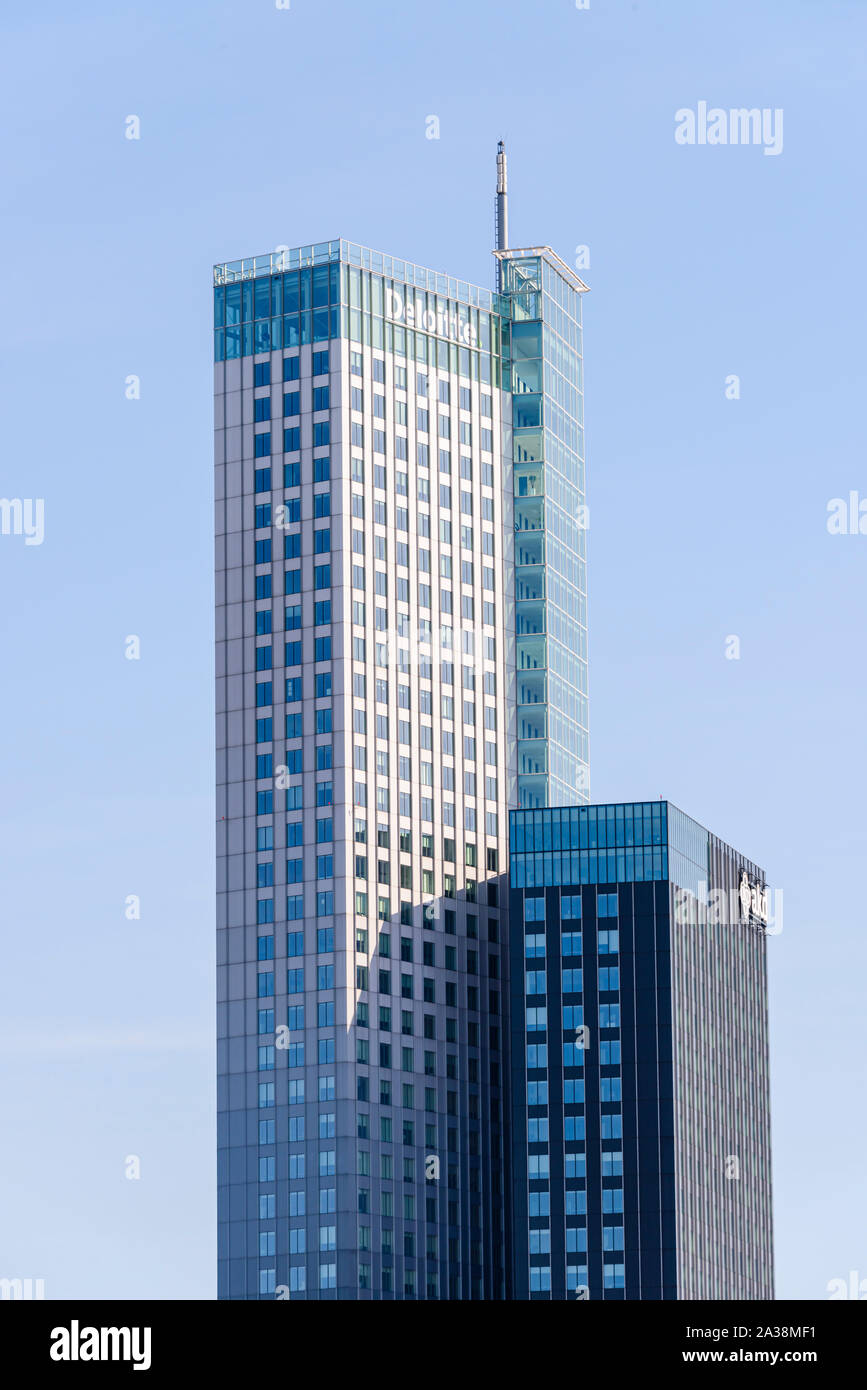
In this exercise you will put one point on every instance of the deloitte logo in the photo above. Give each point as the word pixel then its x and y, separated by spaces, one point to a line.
pixel 444 323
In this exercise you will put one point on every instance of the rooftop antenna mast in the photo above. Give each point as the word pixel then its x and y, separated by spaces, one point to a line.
pixel 502 217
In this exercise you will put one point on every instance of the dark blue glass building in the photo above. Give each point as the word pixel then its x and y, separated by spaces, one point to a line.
pixel 640 1134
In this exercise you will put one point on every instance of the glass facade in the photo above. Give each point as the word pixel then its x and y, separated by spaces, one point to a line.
pixel 402 710
pixel 366 763
pixel 338 289
pixel 526 340
pixel 589 844
pixel 371 619
pixel 640 1137
pixel 543 370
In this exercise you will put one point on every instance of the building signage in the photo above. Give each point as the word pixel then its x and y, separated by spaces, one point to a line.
pixel 444 323
pixel 754 899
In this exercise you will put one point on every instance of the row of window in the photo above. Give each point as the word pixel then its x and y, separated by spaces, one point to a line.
pixel 573 1055
pixel 325 1009
pixel 576 1239
pixel 406 1128
pixel 264 552
pixel 292 440
pixel 325 1054
pixel 297 1275
pixel 401 411
pixel 572 981
pixel 325 869
pixel 387 1207
pixel 424 384
pixel 320 438
pixel 291 368
pixel 294 801
pixel 262 405
pixel 327 1240
pixel 326 1090
pixel 324 833
pixel 539 1202
pixel 322 580
pixel 590 827
pixel 265 908
pixel 607 943
pixel 264 588
pixel 575 1165
pixel 589 866
pixel 576 1277
pixel 323 755
pixel 263 481
pixel 569 906
pixel 325 972
pixel 312 287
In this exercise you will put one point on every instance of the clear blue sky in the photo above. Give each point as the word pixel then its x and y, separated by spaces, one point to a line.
pixel 262 127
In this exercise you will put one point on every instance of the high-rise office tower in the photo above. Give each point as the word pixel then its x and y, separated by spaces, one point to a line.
pixel 640 1126
pixel 401 658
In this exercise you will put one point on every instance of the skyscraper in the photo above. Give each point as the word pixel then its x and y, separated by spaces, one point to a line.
pixel 401 658
pixel 640 1125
